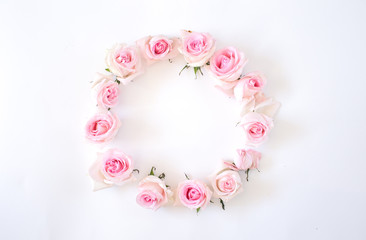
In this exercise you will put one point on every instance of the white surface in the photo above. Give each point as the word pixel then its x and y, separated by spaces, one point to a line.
pixel 312 179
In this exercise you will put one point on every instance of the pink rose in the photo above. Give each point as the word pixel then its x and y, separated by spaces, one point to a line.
pixel 193 194
pixel 107 94
pixel 249 85
pixel 125 62
pixel 102 127
pixel 197 48
pixel 226 65
pixel 226 184
pixel 247 159
pixel 158 48
pixel 260 104
pixel 111 167
pixel 153 193
pixel 256 127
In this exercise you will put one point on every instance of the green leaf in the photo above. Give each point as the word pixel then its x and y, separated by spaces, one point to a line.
pixel 167 186
pixel 222 204
pixel 109 109
pixel 118 81
pixel 195 71
pixel 200 71
pixel 208 63
pixel 108 70
pixel 162 176
pixel 152 171
pixel 185 67
pixel 198 209
pixel 185 174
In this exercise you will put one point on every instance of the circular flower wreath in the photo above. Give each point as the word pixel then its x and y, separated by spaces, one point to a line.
pixel 126 62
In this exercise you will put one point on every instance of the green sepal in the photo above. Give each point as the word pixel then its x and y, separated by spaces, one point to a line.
pixel 152 171
pixel 222 204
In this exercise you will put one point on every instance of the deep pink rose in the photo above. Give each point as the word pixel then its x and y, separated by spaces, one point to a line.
pixel 107 94
pixel 111 167
pixel 197 48
pixel 158 48
pixel 256 127
pixel 248 85
pixel 153 193
pixel 260 104
pixel 226 65
pixel 226 184
pixel 193 194
pixel 125 62
pixel 102 127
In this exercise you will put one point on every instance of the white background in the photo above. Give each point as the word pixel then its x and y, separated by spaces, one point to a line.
pixel 312 183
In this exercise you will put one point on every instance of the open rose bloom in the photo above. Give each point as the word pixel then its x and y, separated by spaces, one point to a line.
pixel 226 184
pixel 153 193
pixel 256 127
pixel 111 168
pixel 158 48
pixel 102 127
pixel 193 194
pixel 107 94
pixel 226 66
pixel 197 48
pixel 125 62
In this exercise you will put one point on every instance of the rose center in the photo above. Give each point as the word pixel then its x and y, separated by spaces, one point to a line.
pixel 193 194
pixel 254 83
pixel 257 130
pixel 160 47
pixel 100 127
pixel 123 58
pixel 114 166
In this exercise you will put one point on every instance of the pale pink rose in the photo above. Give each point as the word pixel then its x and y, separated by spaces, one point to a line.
pixel 102 127
pixel 111 167
pixel 107 94
pixel 153 193
pixel 256 127
pixel 247 159
pixel 125 62
pixel 193 194
pixel 158 48
pixel 226 66
pixel 260 104
pixel 248 85
pixel 197 48
pixel 226 184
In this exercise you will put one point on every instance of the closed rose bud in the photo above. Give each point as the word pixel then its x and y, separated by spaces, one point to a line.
pixel 248 85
